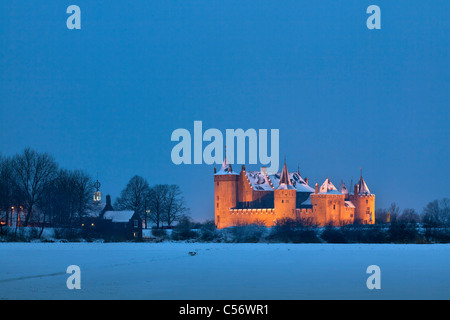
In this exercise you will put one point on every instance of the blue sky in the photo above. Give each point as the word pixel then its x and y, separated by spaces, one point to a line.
pixel 106 98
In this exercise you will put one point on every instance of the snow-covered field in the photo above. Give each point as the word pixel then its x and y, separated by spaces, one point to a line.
pixel 223 271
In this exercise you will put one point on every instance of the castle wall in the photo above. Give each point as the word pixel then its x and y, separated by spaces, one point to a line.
pixel 348 216
pixel 305 215
pixel 237 217
pixel 328 209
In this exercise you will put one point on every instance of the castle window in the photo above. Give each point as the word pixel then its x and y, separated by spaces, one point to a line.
pixel 217 198
pixel 351 216
pixel 367 201
pixel 217 183
pixel 334 207
pixel 282 201
pixel 217 204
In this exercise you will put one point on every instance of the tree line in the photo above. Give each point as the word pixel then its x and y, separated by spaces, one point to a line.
pixel 159 204
pixel 36 190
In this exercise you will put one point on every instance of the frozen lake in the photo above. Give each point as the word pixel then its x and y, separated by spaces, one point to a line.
pixel 223 271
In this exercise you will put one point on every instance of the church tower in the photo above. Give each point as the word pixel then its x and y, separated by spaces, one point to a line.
pixel 97 194
pixel 225 194
pixel 364 203
pixel 285 196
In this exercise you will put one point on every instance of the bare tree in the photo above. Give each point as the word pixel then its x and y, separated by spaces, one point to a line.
pixel 394 211
pixel 381 215
pixel 157 200
pixel 8 189
pixel 66 200
pixel 134 196
pixel 83 190
pixel 175 205
pixel 437 213
pixel 34 171
pixel 409 215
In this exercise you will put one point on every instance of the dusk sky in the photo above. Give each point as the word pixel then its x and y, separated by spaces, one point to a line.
pixel 107 98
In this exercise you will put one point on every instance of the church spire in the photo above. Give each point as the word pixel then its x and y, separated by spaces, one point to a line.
pixel 97 194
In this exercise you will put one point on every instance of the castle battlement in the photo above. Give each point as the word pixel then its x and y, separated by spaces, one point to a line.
pixel 252 211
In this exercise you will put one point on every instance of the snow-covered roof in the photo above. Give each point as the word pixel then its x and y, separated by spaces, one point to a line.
pixel 119 216
pixel 259 181
pixel 95 208
pixel 299 184
pixel 226 168
pixel 285 186
pixel 328 188
pixel 349 204
pixel 296 181
pixel 285 180
pixel 344 189
pixel 363 189
pixel 307 201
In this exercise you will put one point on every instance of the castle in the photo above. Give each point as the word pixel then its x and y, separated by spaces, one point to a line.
pixel 256 196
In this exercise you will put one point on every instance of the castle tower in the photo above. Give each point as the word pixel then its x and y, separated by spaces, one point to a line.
pixel 364 203
pixel 285 197
pixel 328 205
pixel 225 194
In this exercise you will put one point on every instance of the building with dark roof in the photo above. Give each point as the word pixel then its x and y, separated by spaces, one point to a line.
pixel 114 225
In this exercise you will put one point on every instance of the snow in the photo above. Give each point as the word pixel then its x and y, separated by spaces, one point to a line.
pixel 284 186
pixel 363 189
pixel 296 180
pixel 223 271
pixel 118 216
pixel 344 189
pixel 259 181
pixel 349 204
pixel 95 208
pixel 226 168
pixel 307 202
pixel 328 187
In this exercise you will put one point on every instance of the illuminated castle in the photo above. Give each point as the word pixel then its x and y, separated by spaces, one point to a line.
pixel 256 196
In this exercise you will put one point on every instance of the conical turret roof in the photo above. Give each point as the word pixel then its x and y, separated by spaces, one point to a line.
pixel 285 181
pixel 328 187
pixel 362 187
pixel 226 168
pixel 344 189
